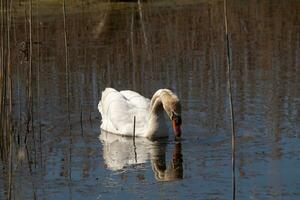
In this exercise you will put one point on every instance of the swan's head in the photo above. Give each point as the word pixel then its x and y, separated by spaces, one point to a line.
pixel 176 123
pixel 172 107
pixel 174 112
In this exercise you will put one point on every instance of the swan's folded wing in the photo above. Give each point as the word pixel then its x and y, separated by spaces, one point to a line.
pixel 136 99
pixel 114 110
pixel 139 107
pixel 118 110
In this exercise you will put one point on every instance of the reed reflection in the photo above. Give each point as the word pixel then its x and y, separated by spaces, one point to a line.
pixel 120 153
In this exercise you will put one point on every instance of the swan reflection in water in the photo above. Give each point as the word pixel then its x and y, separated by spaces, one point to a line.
pixel 121 152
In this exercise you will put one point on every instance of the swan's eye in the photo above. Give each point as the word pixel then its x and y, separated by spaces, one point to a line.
pixel 177 118
pixel 173 115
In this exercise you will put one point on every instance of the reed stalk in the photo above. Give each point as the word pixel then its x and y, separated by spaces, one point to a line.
pixel 9 112
pixel 31 85
pixel 142 23
pixel 132 47
pixel 90 116
pixel 66 63
pixel 38 82
pixel 29 92
pixel 229 91
pixel 81 118
pixel 133 138
pixel 5 138
pixel 67 86
pixel 9 87
pixel 19 103
pixel 10 177
pixel 132 39
pixel 1 81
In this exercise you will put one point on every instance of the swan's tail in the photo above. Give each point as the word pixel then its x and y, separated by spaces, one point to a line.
pixel 100 107
pixel 102 100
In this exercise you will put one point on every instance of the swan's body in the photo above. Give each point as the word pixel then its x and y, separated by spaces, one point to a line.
pixel 118 110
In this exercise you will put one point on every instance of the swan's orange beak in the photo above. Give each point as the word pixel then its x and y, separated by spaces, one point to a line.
pixel 176 123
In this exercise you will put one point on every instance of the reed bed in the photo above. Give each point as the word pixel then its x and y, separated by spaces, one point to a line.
pixel 5 81
pixel 28 141
pixel 6 128
pixel 15 146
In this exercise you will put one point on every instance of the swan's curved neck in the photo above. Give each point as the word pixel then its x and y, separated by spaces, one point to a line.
pixel 156 125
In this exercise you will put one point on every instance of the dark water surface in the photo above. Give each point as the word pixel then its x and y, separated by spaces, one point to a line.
pixel 166 45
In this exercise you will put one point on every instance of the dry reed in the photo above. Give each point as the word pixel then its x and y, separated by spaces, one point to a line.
pixel 66 63
pixel 133 138
pixel 229 91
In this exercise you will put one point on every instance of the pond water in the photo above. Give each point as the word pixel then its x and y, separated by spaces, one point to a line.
pixel 169 44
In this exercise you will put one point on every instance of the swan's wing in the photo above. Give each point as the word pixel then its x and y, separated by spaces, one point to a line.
pixel 114 111
pixel 140 108
pixel 136 99
pixel 118 110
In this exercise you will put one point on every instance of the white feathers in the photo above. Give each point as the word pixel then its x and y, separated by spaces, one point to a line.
pixel 118 110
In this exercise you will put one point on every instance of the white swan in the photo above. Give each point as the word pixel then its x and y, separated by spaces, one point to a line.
pixel 118 110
